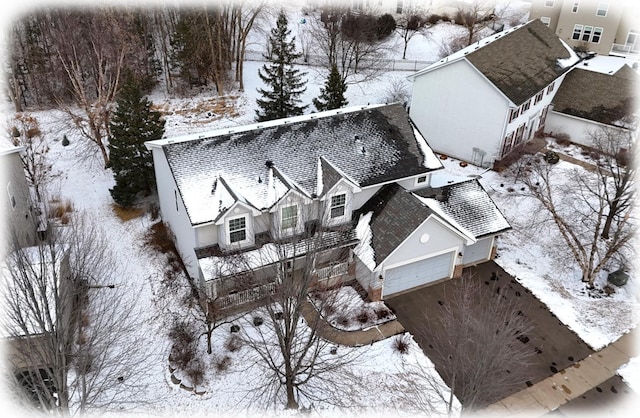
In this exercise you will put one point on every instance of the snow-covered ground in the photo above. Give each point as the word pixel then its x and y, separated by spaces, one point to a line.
pixel 83 181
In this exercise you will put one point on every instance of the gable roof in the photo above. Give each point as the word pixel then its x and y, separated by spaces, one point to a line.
pixel 519 62
pixel 608 99
pixel 470 206
pixel 394 213
pixel 370 145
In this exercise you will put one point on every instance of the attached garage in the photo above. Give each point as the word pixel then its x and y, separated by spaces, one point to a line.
pixel 405 277
pixel 478 252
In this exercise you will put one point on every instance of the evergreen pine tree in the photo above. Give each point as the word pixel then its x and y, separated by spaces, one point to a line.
pixel 285 83
pixel 133 122
pixel 332 95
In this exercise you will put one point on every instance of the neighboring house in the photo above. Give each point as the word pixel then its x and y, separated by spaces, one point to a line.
pixel 484 101
pixel 15 199
pixel 398 7
pixel 604 27
pixel 596 93
pixel 241 191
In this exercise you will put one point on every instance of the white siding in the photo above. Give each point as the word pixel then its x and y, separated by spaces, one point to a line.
pixel 576 128
pixel 440 238
pixel 174 213
pixel 478 252
pixel 457 109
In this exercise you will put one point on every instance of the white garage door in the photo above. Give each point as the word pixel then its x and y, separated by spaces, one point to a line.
pixel 415 274
pixel 477 252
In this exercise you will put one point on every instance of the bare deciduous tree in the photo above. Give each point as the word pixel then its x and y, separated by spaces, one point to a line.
pixel 72 325
pixel 475 346
pixel 26 132
pixel 300 366
pixel 579 203
pixel 411 22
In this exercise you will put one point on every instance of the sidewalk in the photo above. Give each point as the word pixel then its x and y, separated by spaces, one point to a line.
pixel 351 338
pixel 567 384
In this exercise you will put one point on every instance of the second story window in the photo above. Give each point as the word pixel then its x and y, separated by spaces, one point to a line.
pixel 586 34
pixel 550 88
pixel 548 3
pixel 574 8
pixel 577 31
pixel 338 203
pixel 538 97
pixel 237 230
pixel 526 105
pixel 602 9
pixel 289 217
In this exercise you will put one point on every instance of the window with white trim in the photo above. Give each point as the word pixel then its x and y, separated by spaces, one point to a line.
pixel 577 31
pixel 548 3
pixel 421 179
pixel 546 20
pixel 289 216
pixel 526 105
pixel 514 113
pixel 237 230
pixel 338 205
pixel 602 9
pixel 586 34
pixel 399 7
pixel 597 34
pixel 574 8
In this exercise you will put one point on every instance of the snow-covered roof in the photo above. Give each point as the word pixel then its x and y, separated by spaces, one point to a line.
pixel 366 145
pixel 393 214
pixel 469 205
pixel 519 61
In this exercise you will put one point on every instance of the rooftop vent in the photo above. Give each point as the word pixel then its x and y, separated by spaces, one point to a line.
pixel 259 179
pixel 269 164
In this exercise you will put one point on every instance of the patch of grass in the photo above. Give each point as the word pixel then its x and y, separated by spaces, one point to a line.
pixel 60 209
pixel 159 238
pixel 126 214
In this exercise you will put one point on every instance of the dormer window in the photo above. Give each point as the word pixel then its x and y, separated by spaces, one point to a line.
pixel 338 204
pixel 237 230
pixel 421 179
pixel 289 217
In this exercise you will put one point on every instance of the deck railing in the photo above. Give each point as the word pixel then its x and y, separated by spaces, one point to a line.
pixel 625 50
pixel 246 296
pixel 332 271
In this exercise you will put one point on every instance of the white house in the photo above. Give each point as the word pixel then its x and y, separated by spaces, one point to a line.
pixel 482 102
pixel 15 199
pixel 363 175
pixel 599 92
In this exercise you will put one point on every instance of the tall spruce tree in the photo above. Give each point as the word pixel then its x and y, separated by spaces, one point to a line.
pixel 285 83
pixel 133 122
pixel 332 95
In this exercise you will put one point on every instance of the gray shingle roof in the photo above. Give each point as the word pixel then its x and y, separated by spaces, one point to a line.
pixel 471 207
pixel 371 145
pixel 605 98
pixel 522 62
pixel 396 213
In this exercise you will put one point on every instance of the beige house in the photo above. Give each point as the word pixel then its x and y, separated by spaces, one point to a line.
pixel 604 27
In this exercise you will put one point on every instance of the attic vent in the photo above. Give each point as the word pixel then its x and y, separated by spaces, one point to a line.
pixel 364 150
pixel 269 164
pixel 356 137
pixel 259 179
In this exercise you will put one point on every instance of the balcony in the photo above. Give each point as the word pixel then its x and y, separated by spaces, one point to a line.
pixel 625 50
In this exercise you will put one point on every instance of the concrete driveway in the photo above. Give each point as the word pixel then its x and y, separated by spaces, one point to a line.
pixel 556 346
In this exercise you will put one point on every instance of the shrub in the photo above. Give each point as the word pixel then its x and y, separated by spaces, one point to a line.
pixel 386 24
pixel 222 363
pixel 15 132
pixel 233 343
pixel 183 350
pixel 435 18
pixel 363 316
pixel 401 344
pixel 551 157
pixel 382 313
pixel 195 371
pixel 563 139
pixel 343 320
